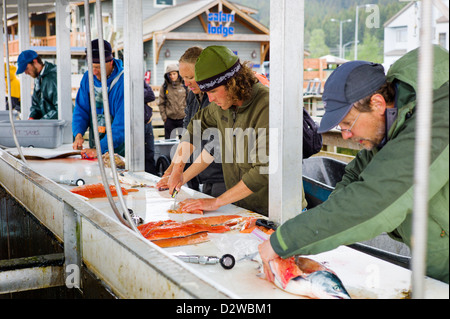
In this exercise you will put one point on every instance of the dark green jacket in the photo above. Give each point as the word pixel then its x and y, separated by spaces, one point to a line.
pixel 234 126
pixel 44 104
pixel 376 192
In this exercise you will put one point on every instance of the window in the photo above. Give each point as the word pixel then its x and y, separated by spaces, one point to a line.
pixel 443 40
pixel 164 3
pixel 401 35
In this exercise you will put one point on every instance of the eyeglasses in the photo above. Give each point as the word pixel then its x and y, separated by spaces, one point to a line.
pixel 348 130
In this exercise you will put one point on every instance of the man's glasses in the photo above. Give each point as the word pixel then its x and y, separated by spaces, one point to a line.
pixel 348 130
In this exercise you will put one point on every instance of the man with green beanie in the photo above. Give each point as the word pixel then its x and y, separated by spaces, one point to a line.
pixel 239 116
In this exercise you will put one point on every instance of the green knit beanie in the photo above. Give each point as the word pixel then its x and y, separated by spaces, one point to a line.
pixel 215 66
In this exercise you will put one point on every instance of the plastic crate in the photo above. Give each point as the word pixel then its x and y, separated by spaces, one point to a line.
pixel 165 148
pixel 4 115
pixel 35 133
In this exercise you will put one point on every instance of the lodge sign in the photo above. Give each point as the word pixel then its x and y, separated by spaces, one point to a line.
pixel 220 17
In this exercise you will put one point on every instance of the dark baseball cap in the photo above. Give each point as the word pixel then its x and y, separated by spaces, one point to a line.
pixel 96 51
pixel 349 83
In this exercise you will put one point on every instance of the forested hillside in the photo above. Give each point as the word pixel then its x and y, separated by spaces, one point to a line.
pixel 318 15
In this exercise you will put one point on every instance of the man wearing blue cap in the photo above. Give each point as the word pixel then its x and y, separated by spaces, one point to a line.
pixel 44 104
pixel 376 192
pixel 81 118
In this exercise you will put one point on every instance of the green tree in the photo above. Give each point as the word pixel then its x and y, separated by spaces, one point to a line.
pixel 370 50
pixel 317 45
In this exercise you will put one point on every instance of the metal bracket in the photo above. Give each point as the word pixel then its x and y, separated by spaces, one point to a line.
pixel 72 247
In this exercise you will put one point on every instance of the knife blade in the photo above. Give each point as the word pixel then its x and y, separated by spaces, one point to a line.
pixel 174 196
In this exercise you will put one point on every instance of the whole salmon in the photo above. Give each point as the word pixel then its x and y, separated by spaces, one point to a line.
pixel 306 277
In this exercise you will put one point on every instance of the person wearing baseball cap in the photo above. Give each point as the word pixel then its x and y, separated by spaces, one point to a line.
pixel 238 102
pixel 44 103
pixel 81 118
pixel 376 194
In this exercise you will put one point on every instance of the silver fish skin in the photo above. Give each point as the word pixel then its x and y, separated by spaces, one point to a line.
pixel 326 285
pixel 320 285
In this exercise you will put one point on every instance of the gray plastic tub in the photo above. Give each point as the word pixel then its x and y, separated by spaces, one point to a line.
pixel 164 151
pixel 165 148
pixel 4 115
pixel 34 133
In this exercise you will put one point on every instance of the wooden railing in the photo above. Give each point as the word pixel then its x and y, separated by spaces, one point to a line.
pixel 331 140
pixel 77 39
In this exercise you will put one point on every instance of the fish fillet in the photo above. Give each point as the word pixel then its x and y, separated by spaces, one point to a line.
pixel 98 190
pixel 187 232
pixel 182 241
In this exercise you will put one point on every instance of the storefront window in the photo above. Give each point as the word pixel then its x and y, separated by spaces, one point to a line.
pixel 164 3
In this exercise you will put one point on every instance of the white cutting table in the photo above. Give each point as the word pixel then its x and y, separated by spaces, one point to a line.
pixel 363 276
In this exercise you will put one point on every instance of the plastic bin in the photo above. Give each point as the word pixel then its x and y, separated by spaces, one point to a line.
pixel 4 115
pixel 164 150
pixel 36 133
pixel 320 176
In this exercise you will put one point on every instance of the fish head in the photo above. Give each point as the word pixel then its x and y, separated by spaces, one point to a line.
pixel 326 285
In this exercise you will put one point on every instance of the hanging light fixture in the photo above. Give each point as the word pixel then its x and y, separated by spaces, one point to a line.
pixel 167 53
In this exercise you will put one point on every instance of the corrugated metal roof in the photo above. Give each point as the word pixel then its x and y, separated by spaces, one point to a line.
pixel 170 17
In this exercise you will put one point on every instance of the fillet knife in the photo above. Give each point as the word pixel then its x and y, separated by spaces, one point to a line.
pixel 174 196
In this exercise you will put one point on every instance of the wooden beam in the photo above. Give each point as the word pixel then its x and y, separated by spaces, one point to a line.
pixel 159 39
pixel 203 23
pixel 193 36
pixel 262 28
pixel 264 49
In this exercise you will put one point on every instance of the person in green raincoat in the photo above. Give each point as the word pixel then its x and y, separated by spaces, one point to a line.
pixel 376 191
pixel 44 103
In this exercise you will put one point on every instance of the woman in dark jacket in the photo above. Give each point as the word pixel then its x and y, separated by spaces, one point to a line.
pixel 212 177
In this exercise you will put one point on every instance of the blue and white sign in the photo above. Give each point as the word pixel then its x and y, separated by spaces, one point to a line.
pixel 220 17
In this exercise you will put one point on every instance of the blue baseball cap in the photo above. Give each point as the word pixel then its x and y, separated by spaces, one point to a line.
pixel 24 58
pixel 349 83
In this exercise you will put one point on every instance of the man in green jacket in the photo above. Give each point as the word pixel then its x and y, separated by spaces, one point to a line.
pixel 44 104
pixel 376 192
pixel 238 116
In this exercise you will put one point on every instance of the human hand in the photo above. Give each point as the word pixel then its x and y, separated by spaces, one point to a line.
pixel 267 254
pixel 89 153
pixel 175 181
pixel 204 204
pixel 78 142
pixel 163 183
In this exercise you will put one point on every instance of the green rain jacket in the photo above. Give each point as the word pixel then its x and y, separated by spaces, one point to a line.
pixel 242 130
pixel 44 103
pixel 376 192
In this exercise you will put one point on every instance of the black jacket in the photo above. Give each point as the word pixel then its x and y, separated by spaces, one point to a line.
pixel 213 173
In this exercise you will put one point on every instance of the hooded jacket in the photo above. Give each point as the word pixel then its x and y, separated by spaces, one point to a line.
pixel 376 192
pixel 15 83
pixel 233 124
pixel 44 103
pixel 81 118
pixel 172 96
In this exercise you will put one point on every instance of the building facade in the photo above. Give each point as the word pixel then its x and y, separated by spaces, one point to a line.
pixel 402 31
pixel 171 27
